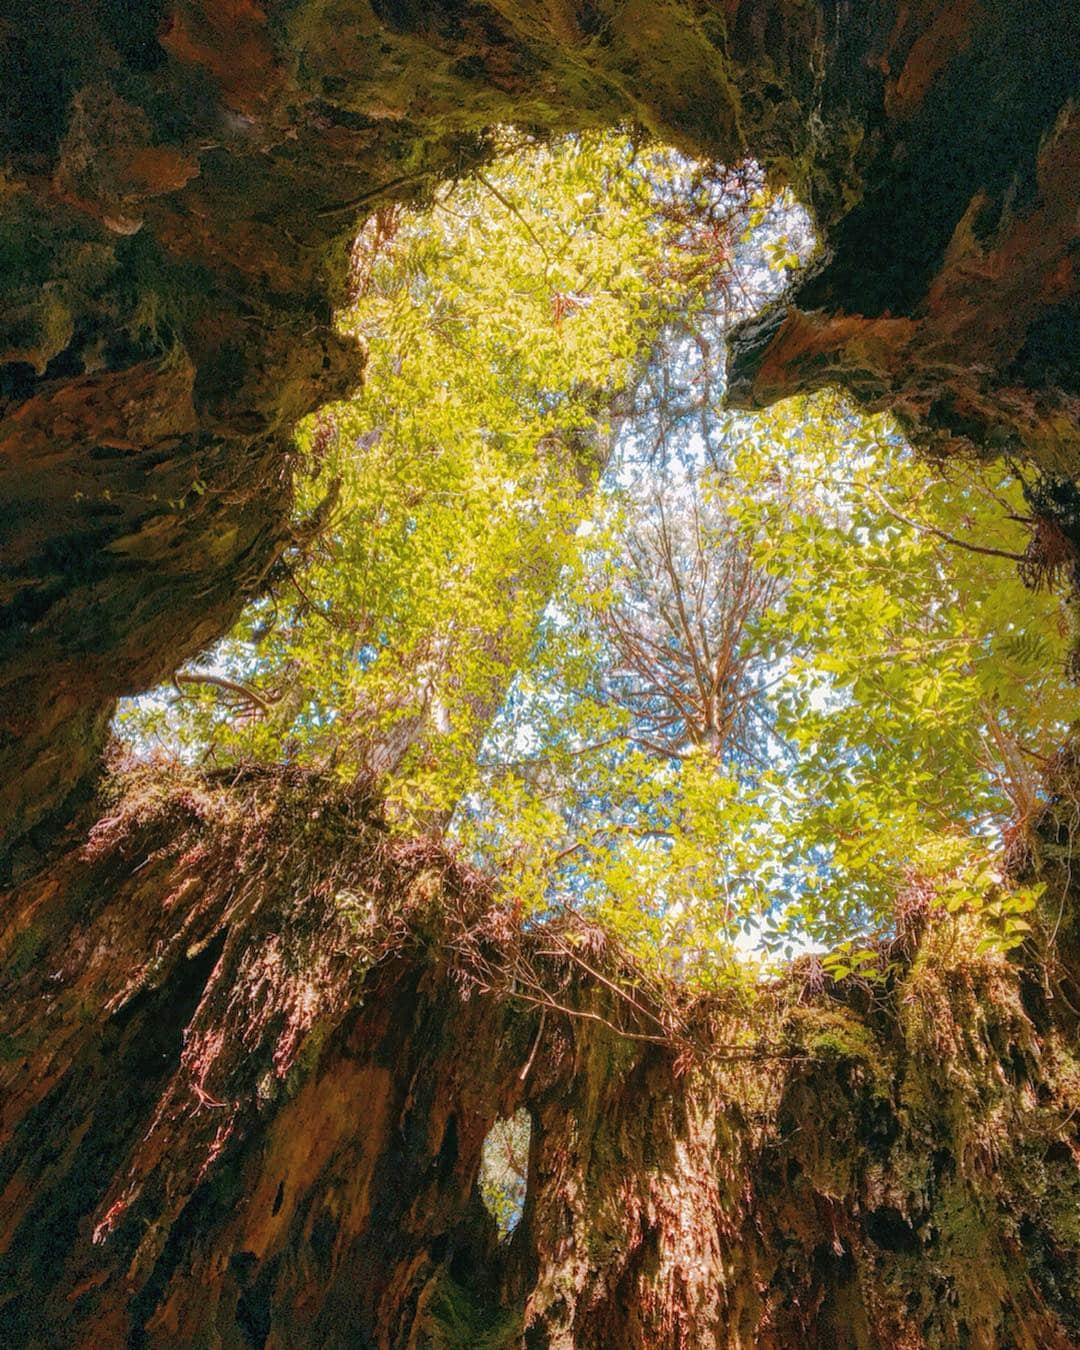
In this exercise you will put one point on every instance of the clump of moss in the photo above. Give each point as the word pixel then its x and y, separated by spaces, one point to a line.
pixel 451 1318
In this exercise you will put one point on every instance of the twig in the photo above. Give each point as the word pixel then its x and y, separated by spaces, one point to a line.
pixel 942 534
pixel 309 529
pixel 220 682
pixel 514 212
pixel 336 208
pixel 536 1046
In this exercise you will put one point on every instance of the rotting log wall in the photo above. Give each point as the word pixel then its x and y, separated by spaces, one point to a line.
pixel 220 1122
pixel 251 1049
pixel 180 180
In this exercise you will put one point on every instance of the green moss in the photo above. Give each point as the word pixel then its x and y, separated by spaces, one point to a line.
pixel 25 950
pixel 841 1038
pixel 159 297
pixel 837 1036
pixel 13 1048
pixel 453 1319
pixel 307 1056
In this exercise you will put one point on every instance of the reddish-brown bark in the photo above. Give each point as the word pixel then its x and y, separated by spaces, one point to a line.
pixel 251 1050
pixel 221 1124
pixel 181 178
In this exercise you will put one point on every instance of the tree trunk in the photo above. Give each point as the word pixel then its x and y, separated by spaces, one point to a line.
pixel 252 1047
pixel 179 189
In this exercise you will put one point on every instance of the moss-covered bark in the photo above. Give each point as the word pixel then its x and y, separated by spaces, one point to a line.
pixel 251 1049
pixel 178 181
pixel 248 1053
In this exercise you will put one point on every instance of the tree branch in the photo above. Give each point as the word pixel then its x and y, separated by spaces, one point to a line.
pixel 221 682
pixel 942 534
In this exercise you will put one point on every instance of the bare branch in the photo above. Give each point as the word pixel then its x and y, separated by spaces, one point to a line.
pixel 242 691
